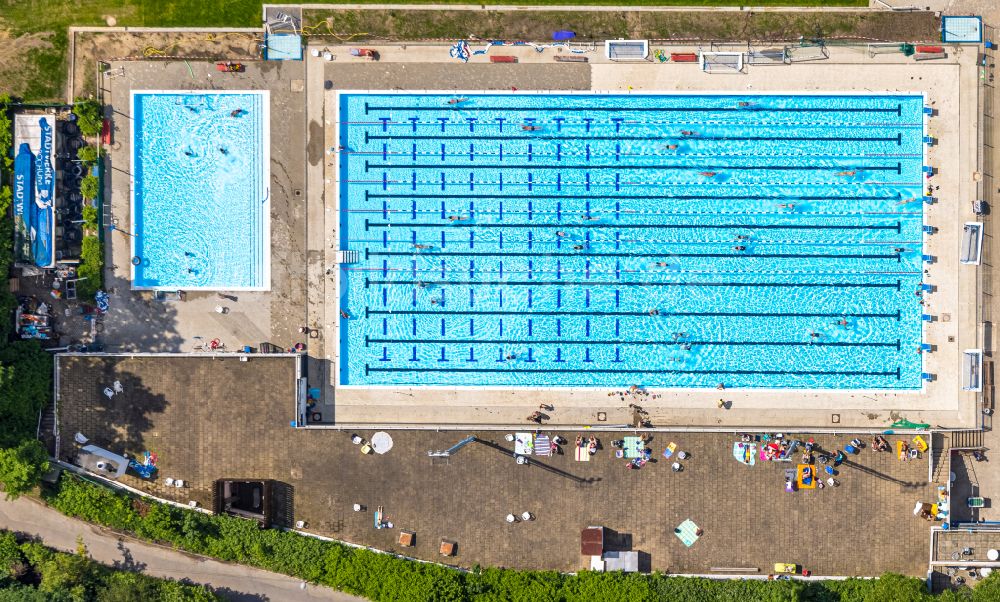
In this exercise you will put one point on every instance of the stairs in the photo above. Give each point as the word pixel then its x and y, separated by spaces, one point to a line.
pixel 47 428
pixel 349 256
pixel 966 439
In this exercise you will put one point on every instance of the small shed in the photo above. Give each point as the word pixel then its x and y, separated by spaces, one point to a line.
pixel 244 498
pixel 592 541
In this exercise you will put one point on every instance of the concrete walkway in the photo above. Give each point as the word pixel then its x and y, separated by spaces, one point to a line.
pixel 234 582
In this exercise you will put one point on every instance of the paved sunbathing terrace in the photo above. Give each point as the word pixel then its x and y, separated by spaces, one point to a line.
pixel 209 418
pixel 378 344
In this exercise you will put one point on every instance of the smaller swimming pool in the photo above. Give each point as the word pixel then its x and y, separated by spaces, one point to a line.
pixel 200 190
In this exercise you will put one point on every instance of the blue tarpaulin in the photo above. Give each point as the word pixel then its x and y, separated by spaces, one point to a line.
pixel 563 34
pixel 41 226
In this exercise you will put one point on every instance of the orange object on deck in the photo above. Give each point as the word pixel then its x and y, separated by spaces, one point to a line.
pixel 930 49
pixel 683 57
pixel 503 58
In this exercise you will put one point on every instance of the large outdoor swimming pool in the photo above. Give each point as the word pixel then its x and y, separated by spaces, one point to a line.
pixel 200 210
pixel 770 241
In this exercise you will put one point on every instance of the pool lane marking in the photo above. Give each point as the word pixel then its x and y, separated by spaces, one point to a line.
pixel 897 168
pixel 665 254
pixel 898 109
pixel 604 370
pixel 528 341
pixel 417 312
pixel 592 283
pixel 625 197
pixel 898 138
pixel 896 228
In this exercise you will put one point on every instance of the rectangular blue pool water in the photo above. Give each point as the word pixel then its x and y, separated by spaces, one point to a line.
pixel 200 206
pixel 770 241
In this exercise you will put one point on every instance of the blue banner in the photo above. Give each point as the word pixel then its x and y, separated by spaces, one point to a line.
pixel 44 174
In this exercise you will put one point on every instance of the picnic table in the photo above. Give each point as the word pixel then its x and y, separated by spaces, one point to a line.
pixel 633 447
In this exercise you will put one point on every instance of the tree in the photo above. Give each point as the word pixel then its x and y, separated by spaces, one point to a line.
pixel 89 187
pixel 87 154
pixel 88 117
pixel 22 467
pixel 12 564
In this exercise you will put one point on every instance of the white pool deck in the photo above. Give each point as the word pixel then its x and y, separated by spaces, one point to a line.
pixel 950 86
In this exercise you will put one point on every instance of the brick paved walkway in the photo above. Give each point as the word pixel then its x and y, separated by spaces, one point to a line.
pixel 206 420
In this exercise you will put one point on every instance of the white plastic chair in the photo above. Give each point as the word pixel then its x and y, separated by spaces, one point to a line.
pixel 118 387
pixel 527 516
pixel 108 392
pixel 169 482
pixel 511 518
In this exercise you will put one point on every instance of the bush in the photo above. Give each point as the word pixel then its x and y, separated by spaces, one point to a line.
pixel 60 576
pixel 91 267
pixel 90 217
pixel 384 577
pixel 88 117
pixel 22 467
pixel 87 154
pixel 89 186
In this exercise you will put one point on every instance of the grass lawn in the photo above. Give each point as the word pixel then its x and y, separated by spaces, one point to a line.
pixel 33 39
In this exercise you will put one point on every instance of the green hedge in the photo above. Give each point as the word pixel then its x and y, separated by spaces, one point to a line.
pixel 88 117
pixel 382 577
pixel 31 571
pixel 91 267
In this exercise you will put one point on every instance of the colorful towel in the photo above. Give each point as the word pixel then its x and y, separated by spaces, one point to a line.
pixel 582 455
pixel 543 447
pixel 687 532
pixel 745 453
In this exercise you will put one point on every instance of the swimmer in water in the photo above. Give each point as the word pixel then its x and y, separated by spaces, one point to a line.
pixel 455 218
pixel 223 150
pixel 849 172
pixel 707 174
pixel 671 147
pixel 531 128
pixel 189 152
pixel 236 113
pixel 662 264
pixel 422 247
pixel 742 237
pixel 455 101
pixel 421 285
pixel 739 248
pixel 688 133
pixel 344 314
pixel 560 233
pixel 899 250
pixel 577 247
pixel 743 103
pixel 654 312
pixel 786 206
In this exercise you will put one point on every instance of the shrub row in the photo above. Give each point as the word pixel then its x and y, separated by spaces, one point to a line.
pixel 31 571
pixel 91 270
pixel 382 577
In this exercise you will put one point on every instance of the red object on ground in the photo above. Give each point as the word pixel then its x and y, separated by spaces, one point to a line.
pixel 503 58
pixel 230 67
pixel 106 132
pixel 683 57
pixel 930 49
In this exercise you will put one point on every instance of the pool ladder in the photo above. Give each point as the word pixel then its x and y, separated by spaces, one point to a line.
pixel 349 256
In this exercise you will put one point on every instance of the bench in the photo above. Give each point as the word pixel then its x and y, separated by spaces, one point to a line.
pixel 572 58
pixel 503 58
pixel 683 57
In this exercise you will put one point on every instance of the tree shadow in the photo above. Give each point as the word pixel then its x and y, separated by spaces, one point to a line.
pixel 227 593
pixel 119 422
pixel 128 562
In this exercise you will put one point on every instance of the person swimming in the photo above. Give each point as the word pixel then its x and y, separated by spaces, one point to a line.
pixel 739 248
pixel 223 150
pixel 662 264
pixel 189 152
pixel 531 128
pixel 849 172
pixel 422 247
pixel 743 103
pixel 707 174
pixel 671 147
pixel 688 133
pixel 455 218
pixel 560 233
pixel 455 101
pixel 577 247
pixel 236 113
pixel 786 206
